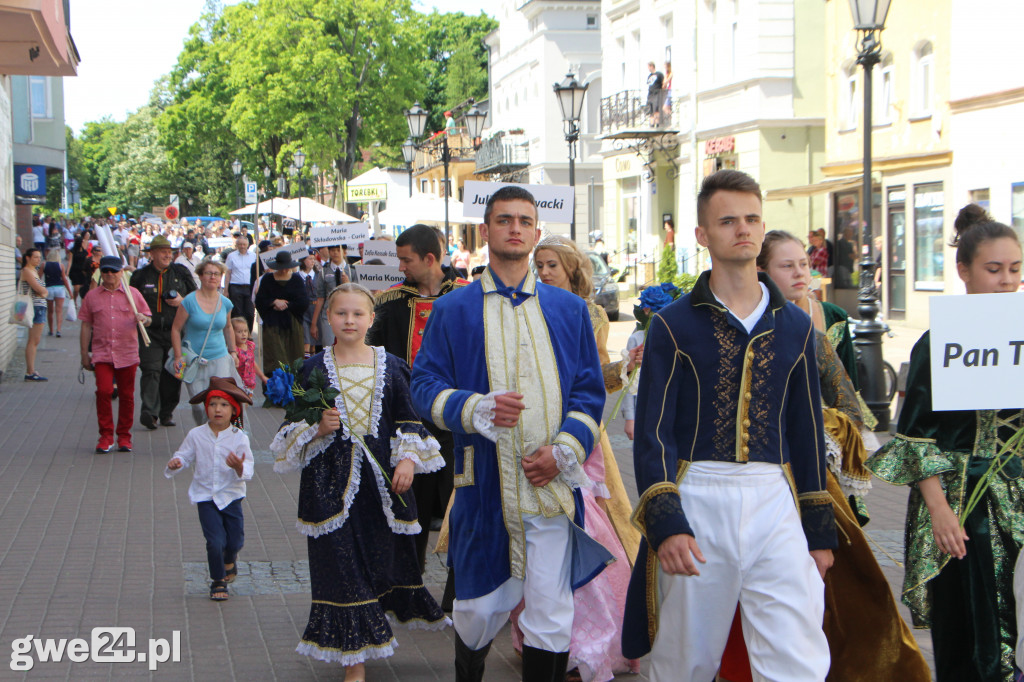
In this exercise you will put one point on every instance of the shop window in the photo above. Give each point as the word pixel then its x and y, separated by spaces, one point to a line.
pixel 929 240
pixel 922 92
pixel 1017 208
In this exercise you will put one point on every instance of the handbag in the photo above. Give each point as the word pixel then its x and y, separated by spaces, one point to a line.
pixel 21 310
pixel 70 314
pixel 190 359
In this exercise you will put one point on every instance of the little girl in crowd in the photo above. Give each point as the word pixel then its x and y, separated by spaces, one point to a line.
pixel 362 553
pixel 247 367
pixel 223 463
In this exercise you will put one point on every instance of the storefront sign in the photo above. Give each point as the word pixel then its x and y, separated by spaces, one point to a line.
pixel 977 351
pixel 555 203
pixel 336 235
pixel 30 180
pixel 719 145
pixel 361 194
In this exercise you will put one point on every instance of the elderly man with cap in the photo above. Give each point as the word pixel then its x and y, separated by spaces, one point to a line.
pixel 187 259
pixel 163 284
pixel 109 328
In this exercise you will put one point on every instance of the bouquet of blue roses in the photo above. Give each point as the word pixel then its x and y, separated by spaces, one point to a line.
pixel 308 404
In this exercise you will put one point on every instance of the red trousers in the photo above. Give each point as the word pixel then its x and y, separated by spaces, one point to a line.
pixel 105 377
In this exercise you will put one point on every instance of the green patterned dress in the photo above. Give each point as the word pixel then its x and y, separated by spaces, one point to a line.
pixel 968 603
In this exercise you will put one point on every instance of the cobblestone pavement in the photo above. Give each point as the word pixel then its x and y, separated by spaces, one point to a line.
pixel 92 541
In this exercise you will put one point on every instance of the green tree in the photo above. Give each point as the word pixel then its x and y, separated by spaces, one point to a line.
pixel 456 61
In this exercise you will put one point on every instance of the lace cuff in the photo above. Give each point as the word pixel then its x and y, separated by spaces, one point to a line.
pixel 295 445
pixel 631 387
pixel 424 452
pixel 572 471
pixel 600 490
pixel 483 416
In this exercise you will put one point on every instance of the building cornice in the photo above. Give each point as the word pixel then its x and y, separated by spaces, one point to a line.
pixel 531 8
pixel 889 164
pixel 758 124
pixel 622 9
pixel 738 86
pixel 987 101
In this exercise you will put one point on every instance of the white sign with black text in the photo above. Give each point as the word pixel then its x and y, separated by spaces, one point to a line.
pixel 298 251
pixel 336 235
pixel 377 277
pixel 555 203
pixel 383 250
pixel 977 352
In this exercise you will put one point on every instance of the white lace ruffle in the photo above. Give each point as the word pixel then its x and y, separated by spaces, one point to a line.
pixel 624 374
pixel 397 527
pixel 425 452
pixel 339 401
pixel 295 452
pixel 572 471
pixel 601 490
pixel 315 530
pixel 483 416
pixel 419 624
pixel 334 656
pixel 848 484
pixel 378 389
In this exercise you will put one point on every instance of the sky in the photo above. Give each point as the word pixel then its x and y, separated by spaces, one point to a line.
pixel 125 45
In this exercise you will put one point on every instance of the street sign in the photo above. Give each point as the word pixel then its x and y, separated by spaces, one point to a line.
pixel 250 192
pixel 174 202
pixel 112 209
pixel 361 194
pixel 171 212
pixel 555 203
pixel 73 184
pixel 336 235
pixel 66 211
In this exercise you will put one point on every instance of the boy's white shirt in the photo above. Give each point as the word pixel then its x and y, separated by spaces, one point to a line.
pixel 213 479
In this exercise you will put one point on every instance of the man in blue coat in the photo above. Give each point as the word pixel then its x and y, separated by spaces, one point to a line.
pixel 730 466
pixel 510 367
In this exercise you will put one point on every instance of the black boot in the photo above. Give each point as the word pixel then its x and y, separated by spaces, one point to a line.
pixel 544 666
pixel 469 664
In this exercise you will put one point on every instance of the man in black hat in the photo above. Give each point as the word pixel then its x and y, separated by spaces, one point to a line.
pixel 163 284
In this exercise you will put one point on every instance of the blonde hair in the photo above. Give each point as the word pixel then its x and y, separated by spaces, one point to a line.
pixel 53 256
pixel 239 321
pixel 576 264
pixel 207 262
pixel 351 288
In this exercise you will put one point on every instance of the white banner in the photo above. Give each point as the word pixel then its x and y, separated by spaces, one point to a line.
pixel 336 235
pixel 218 243
pixel 977 352
pixel 377 277
pixel 298 251
pixel 555 203
pixel 383 250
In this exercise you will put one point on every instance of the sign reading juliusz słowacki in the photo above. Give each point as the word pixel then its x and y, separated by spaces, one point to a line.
pixel 555 203
pixel 977 352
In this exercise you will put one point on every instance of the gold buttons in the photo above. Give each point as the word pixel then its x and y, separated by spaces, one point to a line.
pixel 746 437
pixel 746 423
pixel 746 450
pixel 747 395
pixel 750 355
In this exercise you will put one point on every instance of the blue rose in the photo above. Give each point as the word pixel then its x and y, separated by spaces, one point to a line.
pixel 670 289
pixel 279 387
pixel 654 299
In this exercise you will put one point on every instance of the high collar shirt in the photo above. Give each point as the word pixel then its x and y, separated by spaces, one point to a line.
pixel 213 480
pixel 114 336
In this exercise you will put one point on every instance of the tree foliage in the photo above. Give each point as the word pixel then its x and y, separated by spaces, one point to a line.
pixel 456 60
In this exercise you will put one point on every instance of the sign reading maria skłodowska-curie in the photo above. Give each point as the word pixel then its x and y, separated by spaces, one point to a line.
pixel 977 349
pixel 555 203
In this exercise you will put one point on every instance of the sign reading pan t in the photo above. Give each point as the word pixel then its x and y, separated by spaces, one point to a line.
pixel 555 203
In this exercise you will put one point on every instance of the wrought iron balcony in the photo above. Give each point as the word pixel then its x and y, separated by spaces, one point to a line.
pixel 503 153
pixel 627 110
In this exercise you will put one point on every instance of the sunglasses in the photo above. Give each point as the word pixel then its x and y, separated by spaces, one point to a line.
pixel 108 270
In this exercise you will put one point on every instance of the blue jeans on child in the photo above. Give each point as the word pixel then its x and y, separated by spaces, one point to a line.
pixel 224 530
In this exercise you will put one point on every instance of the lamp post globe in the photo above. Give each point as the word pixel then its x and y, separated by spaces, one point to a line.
pixel 416 117
pixel 869 15
pixel 236 167
pixel 475 122
pixel 570 100
pixel 300 159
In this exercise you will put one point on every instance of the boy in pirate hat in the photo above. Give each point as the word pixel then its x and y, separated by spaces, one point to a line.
pixel 223 463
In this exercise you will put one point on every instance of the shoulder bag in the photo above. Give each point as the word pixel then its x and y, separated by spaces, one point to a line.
pixel 190 359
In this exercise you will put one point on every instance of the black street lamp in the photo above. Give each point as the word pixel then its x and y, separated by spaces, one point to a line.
pixel 869 20
pixel 236 168
pixel 269 194
pixel 300 160
pixel 417 120
pixel 409 154
pixel 570 98
pixel 315 173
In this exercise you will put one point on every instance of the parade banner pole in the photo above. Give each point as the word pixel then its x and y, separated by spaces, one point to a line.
pixel 106 239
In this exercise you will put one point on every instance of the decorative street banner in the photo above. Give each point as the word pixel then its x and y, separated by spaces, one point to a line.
pixel 378 277
pixel 362 194
pixel 383 250
pixel 555 203
pixel 298 249
pixel 977 349
pixel 336 235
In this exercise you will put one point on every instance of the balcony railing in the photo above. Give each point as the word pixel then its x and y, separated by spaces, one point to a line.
pixel 460 144
pixel 503 153
pixel 627 110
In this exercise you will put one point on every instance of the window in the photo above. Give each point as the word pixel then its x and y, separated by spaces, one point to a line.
pixel 591 21
pixel 666 22
pixel 848 99
pixel 39 94
pixel 981 198
pixel 924 80
pixel 883 109
pixel 929 242
pixel 1017 208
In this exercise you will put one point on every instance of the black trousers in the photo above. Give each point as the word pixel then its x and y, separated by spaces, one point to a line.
pixel 159 391
pixel 240 296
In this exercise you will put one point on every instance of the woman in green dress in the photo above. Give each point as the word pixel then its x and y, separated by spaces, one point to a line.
pixel 968 603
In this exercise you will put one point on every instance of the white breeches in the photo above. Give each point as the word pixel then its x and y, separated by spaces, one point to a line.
pixel 748 528
pixel 546 621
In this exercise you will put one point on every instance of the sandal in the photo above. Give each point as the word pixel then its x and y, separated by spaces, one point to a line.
pixel 218 591
pixel 231 573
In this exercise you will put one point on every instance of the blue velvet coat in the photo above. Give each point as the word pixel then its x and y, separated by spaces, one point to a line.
pixel 452 374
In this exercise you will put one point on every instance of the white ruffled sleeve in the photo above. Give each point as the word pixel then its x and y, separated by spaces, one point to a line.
pixel 483 416
pixel 572 471
pixel 424 451
pixel 296 444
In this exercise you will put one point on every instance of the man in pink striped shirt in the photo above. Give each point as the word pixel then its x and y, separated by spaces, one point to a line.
pixel 109 326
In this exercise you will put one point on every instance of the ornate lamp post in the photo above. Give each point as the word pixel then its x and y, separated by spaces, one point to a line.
pixel 314 171
pixel 409 154
pixel 570 99
pixel 417 120
pixel 300 160
pixel 869 20
pixel 236 168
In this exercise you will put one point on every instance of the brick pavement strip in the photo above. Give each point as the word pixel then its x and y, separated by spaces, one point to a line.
pixel 90 541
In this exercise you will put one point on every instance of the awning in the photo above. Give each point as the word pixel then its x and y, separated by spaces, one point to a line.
pixel 822 187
